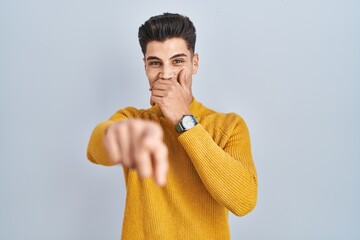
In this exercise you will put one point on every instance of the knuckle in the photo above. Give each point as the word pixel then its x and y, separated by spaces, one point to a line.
pixel 120 128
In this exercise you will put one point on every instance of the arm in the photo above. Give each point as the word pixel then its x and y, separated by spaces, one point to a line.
pixel 228 173
pixel 134 143
pixel 96 151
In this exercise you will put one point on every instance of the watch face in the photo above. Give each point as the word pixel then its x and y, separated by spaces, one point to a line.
pixel 188 122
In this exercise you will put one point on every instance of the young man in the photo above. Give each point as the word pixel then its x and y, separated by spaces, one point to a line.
pixel 185 165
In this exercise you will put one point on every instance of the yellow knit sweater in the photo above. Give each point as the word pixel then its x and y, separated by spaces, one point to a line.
pixel 211 171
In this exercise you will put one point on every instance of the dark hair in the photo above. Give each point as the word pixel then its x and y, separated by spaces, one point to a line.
pixel 166 26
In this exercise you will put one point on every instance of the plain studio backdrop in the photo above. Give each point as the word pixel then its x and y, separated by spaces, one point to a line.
pixel 291 69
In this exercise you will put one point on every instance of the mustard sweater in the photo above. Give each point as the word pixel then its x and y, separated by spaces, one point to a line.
pixel 211 171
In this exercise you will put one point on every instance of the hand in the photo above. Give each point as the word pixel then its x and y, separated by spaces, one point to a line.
pixel 173 96
pixel 138 144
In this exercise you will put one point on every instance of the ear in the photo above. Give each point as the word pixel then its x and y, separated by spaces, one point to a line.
pixel 195 62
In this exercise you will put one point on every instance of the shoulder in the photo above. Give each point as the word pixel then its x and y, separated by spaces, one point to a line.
pixel 219 118
pixel 224 121
pixel 223 127
pixel 128 112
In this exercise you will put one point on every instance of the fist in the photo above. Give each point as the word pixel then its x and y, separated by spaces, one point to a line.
pixel 138 144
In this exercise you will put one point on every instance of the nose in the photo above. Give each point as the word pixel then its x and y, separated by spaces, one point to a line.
pixel 167 73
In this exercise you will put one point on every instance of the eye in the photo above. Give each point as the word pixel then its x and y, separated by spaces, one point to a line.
pixel 154 63
pixel 178 61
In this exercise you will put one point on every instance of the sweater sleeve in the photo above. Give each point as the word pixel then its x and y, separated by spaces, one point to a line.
pixel 228 173
pixel 96 152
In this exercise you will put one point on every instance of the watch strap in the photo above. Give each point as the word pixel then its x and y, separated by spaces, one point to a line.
pixel 179 128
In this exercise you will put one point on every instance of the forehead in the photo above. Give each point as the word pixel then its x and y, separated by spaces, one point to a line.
pixel 167 48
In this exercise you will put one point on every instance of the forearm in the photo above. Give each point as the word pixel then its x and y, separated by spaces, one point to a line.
pixel 231 181
pixel 96 151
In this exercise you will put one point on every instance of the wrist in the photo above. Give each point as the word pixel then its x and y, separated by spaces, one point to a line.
pixel 179 115
pixel 186 122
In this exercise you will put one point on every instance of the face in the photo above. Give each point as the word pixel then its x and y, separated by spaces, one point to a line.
pixel 164 60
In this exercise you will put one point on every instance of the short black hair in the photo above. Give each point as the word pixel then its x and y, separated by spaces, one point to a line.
pixel 165 26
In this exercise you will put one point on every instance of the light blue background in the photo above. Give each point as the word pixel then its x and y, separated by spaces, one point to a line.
pixel 290 68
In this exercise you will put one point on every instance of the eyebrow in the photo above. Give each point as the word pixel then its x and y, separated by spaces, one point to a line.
pixel 175 56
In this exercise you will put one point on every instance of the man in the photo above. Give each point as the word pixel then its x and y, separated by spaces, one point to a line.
pixel 185 165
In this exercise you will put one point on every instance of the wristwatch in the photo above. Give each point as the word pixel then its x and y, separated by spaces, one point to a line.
pixel 185 123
